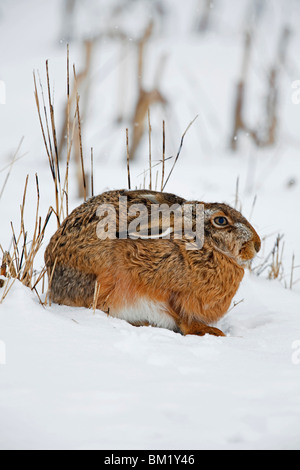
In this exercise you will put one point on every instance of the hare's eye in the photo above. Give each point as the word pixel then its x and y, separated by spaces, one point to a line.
pixel 221 221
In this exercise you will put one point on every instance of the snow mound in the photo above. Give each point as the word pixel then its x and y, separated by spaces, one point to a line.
pixel 78 380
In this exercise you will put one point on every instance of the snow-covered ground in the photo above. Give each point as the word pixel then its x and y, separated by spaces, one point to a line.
pixel 81 381
pixel 70 378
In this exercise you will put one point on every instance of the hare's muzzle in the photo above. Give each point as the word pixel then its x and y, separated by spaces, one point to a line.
pixel 250 248
pixel 257 244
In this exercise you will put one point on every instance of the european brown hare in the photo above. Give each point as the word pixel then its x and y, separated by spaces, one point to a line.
pixel 162 280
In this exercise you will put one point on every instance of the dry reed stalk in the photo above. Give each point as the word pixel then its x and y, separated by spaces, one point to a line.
pixel 81 79
pixel 179 151
pixel 269 134
pixel 92 172
pixel 156 181
pixel 273 89
pixel 292 272
pixel 122 80
pixel 150 156
pixel 128 160
pixel 37 101
pixel 239 120
pixel 96 297
pixel 271 109
pixel 38 296
pixel 252 208
pixel 277 265
pixel 237 190
pixel 203 20
pixel 235 304
pixel 52 159
pixel 6 288
pixel 160 162
pixel 53 127
pixel 65 192
pixel 163 157
pixel 145 98
pixel 141 50
pixel 66 187
pixel 81 151
pixel 10 167
pixel 82 181
pixel 50 277
pixel 58 191
pixel 10 164
pixel 40 278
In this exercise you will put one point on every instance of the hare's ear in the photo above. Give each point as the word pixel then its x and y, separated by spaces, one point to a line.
pixel 146 227
pixel 142 236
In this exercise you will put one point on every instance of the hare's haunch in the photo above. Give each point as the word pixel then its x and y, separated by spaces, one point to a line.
pixel 110 254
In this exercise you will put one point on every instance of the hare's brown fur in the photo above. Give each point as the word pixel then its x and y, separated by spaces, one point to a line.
pixel 188 289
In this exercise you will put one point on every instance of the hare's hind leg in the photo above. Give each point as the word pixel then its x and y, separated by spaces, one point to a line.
pixel 188 324
pixel 72 287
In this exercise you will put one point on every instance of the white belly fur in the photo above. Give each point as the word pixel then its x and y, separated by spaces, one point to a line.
pixel 145 310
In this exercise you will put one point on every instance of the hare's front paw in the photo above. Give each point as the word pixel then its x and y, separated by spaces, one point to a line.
pixel 200 329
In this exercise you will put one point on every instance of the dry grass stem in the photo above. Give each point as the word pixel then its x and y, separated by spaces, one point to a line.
pixel 19 265
pixel 179 151
pixel 92 172
pixel 128 160
pixel 163 157
pixel 14 159
pixel 150 150
pixel 292 272
pixel 96 297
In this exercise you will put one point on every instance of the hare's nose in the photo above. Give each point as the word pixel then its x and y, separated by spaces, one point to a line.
pixel 257 244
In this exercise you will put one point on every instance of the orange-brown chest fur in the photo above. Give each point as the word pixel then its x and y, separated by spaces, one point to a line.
pixel 193 284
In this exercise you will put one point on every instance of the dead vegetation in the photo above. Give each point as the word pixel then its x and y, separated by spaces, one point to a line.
pixel 146 98
pixel 72 116
pixel 265 133
pixel 18 262
pixel 272 263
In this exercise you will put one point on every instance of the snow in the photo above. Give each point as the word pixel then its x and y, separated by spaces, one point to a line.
pixel 82 381
pixel 73 379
